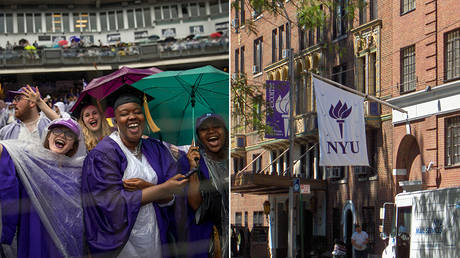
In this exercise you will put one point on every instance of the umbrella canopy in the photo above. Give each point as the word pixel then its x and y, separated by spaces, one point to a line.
pixel 215 35
pixel 181 96
pixel 62 42
pixel 74 39
pixel 101 87
pixel 30 47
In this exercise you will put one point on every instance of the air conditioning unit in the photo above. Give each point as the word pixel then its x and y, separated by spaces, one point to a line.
pixel 240 141
pixel 234 76
pixel 255 69
pixel 285 53
pixel 334 172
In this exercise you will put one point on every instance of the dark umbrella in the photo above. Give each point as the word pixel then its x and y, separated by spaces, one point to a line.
pixel 102 86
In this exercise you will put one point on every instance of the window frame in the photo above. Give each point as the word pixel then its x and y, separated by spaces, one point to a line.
pixel 408 54
pixel 455 43
pixel 407 3
pixel 452 124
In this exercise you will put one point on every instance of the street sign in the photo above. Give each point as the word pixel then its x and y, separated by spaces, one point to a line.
pixel 296 185
pixel 304 189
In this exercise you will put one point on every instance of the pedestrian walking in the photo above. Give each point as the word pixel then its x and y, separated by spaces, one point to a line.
pixel 359 240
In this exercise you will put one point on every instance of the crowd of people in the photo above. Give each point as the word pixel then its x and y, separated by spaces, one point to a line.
pixel 85 48
pixel 72 185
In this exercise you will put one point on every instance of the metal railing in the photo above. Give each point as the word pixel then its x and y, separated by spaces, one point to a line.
pixel 107 55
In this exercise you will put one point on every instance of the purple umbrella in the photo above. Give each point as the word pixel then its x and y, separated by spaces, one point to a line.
pixel 102 86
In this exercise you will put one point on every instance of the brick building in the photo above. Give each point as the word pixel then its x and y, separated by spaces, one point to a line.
pixel 404 52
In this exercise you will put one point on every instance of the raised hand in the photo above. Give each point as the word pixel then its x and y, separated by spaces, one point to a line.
pixel 32 95
pixel 193 156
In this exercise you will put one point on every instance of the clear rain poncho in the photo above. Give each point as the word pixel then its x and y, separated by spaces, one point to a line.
pixel 53 182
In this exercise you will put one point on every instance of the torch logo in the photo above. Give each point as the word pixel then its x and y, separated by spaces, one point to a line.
pixel 339 113
pixel 282 107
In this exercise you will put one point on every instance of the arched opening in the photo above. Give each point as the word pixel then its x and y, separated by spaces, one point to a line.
pixel 409 159
pixel 348 221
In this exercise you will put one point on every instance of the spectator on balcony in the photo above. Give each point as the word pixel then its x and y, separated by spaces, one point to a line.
pixel 9 46
pixel 30 122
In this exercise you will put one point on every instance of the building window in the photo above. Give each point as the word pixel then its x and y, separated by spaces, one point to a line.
pixel 340 19
pixel 339 74
pixel 373 10
pixel 246 219
pixel 103 18
pixel 238 164
pixel 238 219
pixel 242 14
pixel 257 111
pixel 120 22
pixel 237 58
pixel 280 41
pixel 81 21
pixel 274 49
pixel 407 6
pixel 257 68
pixel 408 79
pixel 361 74
pixel 302 39
pixel 452 55
pixel 335 173
pixel 258 219
pixel 242 60
pixel 362 12
pixel 256 165
pixel 49 22
pixel 184 8
pixel 273 156
pixel 453 141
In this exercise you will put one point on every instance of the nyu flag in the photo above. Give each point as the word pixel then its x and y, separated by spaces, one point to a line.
pixel 342 134
pixel 278 109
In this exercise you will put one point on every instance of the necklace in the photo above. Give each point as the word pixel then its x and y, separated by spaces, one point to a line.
pixel 137 150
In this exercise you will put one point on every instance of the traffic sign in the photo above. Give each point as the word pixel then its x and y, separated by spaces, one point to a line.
pixel 296 185
pixel 304 189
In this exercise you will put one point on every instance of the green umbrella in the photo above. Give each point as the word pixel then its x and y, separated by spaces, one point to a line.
pixel 181 96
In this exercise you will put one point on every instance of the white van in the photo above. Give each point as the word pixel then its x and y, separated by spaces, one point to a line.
pixel 422 224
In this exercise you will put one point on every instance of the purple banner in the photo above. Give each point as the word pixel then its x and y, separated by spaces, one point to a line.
pixel 278 109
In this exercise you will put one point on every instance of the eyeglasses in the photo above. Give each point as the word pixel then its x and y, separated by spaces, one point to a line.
pixel 18 98
pixel 69 135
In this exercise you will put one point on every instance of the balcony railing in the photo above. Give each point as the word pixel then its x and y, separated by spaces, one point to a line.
pixel 107 55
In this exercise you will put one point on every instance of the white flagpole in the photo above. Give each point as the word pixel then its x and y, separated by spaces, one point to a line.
pixel 366 96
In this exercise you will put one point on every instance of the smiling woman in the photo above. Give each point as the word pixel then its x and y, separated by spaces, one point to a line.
pixel 41 192
pixel 128 187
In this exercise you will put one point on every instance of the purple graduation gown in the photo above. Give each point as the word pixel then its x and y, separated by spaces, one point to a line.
pixel 33 239
pixel 110 211
pixel 197 236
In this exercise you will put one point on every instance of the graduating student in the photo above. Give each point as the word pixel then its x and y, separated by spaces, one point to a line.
pixel 128 187
pixel 92 121
pixel 40 192
pixel 207 210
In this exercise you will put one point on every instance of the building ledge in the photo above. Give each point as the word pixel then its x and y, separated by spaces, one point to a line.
pixel 261 184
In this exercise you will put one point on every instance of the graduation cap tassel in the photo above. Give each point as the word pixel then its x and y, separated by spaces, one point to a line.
pixel 152 124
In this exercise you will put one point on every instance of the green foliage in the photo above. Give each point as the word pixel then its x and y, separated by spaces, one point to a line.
pixel 249 106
